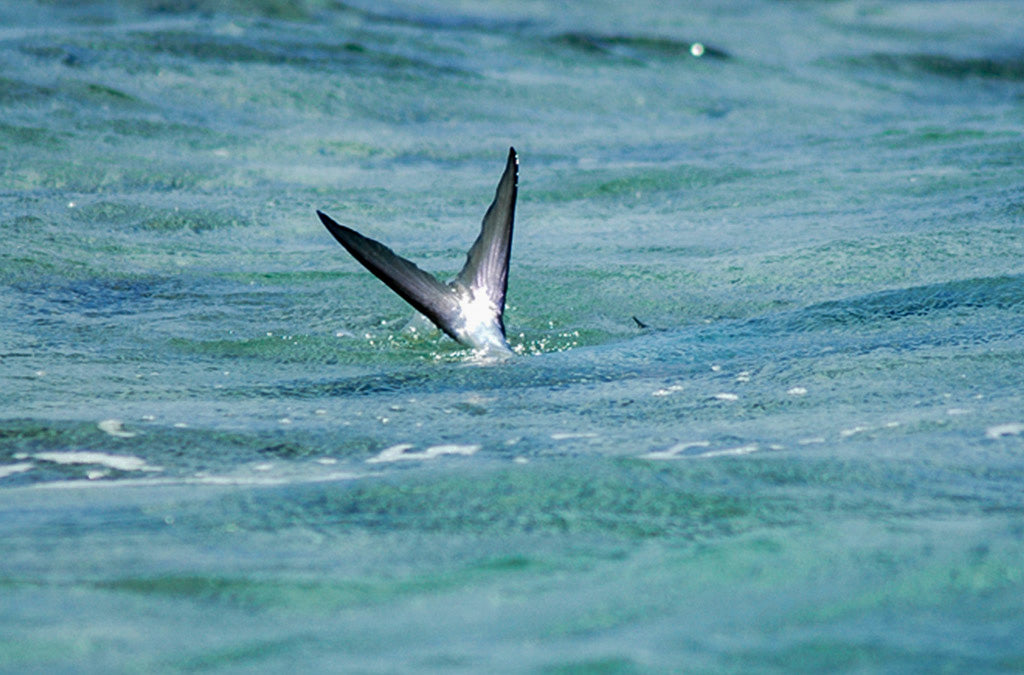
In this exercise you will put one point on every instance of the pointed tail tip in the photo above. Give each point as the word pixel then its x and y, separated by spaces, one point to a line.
pixel 324 218
pixel 513 160
pixel 332 227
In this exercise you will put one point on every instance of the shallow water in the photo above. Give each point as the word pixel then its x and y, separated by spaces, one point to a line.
pixel 223 447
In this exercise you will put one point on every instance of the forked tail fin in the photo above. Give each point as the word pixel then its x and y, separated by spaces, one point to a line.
pixel 470 309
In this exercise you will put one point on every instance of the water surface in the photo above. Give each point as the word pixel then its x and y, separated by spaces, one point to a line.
pixel 222 447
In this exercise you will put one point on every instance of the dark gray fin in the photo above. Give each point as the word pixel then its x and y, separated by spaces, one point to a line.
pixel 435 300
pixel 486 266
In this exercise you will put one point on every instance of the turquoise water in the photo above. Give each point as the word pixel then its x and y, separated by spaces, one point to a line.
pixel 223 447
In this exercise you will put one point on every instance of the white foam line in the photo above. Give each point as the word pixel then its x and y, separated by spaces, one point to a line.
pixel 675 450
pixel 268 480
pixel 438 450
pixel 115 428
pixel 226 481
pixel 119 462
pixel 11 469
pixel 1000 430
pixel 730 452
pixel 392 454
pixel 398 453
pixel 569 435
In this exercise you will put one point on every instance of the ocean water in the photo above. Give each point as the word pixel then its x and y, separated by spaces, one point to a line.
pixel 767 291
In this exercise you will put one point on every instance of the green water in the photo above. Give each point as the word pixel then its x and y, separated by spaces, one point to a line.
pixel 768 304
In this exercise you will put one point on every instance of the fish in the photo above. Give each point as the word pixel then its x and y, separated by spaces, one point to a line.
pixel 470 308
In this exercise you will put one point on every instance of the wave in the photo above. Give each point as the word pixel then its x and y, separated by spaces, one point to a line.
pixel 943 65
pixel 1003 293
pixel 637 47
pixel 304 54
